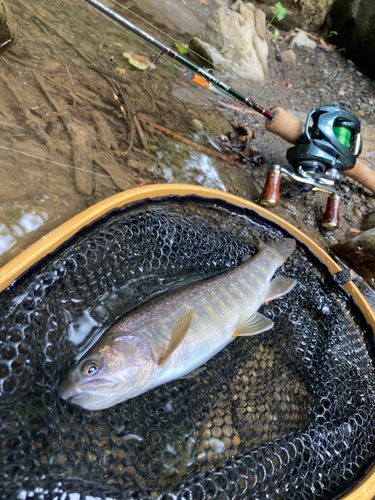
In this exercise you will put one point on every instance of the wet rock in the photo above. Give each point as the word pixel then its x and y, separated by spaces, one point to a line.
pixel 358 213
pixel 371 201
pixel 302 41
pixel 368 221
pixel 358 253
pixel 305 14
pixel 6 32
pixel 290 208
pixel 289 56
pixel 235 38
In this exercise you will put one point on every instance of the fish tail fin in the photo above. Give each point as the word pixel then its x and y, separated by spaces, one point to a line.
pixel 283 247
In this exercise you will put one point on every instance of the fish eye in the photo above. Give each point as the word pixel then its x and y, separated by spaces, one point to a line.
pixel 90 368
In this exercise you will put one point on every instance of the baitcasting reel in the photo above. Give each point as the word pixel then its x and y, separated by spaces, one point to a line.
pixel 329 145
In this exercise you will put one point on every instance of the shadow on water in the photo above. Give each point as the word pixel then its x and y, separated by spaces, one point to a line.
pixel 57 102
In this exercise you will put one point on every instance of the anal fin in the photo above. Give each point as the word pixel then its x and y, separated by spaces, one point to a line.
pixel 279 287
pixel 194 373
pixel 251 324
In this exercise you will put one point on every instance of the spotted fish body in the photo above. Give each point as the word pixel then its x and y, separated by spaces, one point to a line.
pixel 173 335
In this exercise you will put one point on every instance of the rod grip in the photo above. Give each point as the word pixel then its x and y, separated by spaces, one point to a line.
pixel 361 173
pixel 271 192
pixel 331 217
pixel 285 125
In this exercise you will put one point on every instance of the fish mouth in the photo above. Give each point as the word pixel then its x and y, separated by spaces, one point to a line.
pixel 87 395
pixel 89 388
pixel 92 401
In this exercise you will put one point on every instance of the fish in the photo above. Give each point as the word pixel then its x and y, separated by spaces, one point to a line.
pixel 172 336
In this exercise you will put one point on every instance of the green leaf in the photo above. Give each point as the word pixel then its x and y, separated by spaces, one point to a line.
pixel 276 34
pixel 181 49
pixel 332 33
pixel 280 11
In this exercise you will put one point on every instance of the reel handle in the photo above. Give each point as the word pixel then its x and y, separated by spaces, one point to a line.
pixel 271 192
pixel 331 217
pixel 362 174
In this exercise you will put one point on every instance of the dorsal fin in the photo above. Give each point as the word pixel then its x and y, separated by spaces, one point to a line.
pixel 179 331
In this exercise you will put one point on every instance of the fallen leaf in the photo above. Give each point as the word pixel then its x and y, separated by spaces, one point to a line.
pixel 120 71
pixel 141 181
pixel 181 48
pixel 203 2
pixel 138 61
pixel 306 79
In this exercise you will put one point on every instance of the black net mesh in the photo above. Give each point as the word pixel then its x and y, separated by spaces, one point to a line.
pixel 285 414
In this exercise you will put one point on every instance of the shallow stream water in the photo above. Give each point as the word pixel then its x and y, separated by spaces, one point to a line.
pixel 57 104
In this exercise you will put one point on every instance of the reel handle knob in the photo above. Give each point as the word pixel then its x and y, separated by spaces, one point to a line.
pixel 331 217
pixel 271 192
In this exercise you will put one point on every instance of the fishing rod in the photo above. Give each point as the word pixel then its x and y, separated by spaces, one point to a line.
pixel 327 145
pixel 175 55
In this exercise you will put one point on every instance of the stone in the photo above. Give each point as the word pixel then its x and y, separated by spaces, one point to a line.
pixel 358 253
pixel 235 38
pixel 302 41
pixel 6 32
pixel 289 56
pixel 306 14
pixel 368 222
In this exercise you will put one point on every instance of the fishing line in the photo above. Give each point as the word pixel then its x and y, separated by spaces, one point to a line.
pixel 62 164
pixel 221 70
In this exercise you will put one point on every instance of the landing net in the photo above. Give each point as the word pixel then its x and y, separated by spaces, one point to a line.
pixel 285 414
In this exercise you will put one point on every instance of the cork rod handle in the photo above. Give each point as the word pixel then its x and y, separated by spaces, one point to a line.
pixel 285 125
pixel 362 174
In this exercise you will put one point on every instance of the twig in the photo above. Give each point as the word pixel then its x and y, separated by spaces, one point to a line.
pixel 133 115
pixel 198 147
pixel 108 151
pixel 70 76
pixel 115 88
pixel 132 128
pixel 308 34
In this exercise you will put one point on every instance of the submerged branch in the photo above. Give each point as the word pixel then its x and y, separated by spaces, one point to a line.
pixel 229 159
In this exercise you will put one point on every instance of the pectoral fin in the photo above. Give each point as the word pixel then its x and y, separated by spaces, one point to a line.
pixel 251 324
pixel 179 331
pixel 278 287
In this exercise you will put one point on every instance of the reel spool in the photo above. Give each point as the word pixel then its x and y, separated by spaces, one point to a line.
pixel 329 145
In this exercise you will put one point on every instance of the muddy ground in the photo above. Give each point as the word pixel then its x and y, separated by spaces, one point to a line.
pixel 58 82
